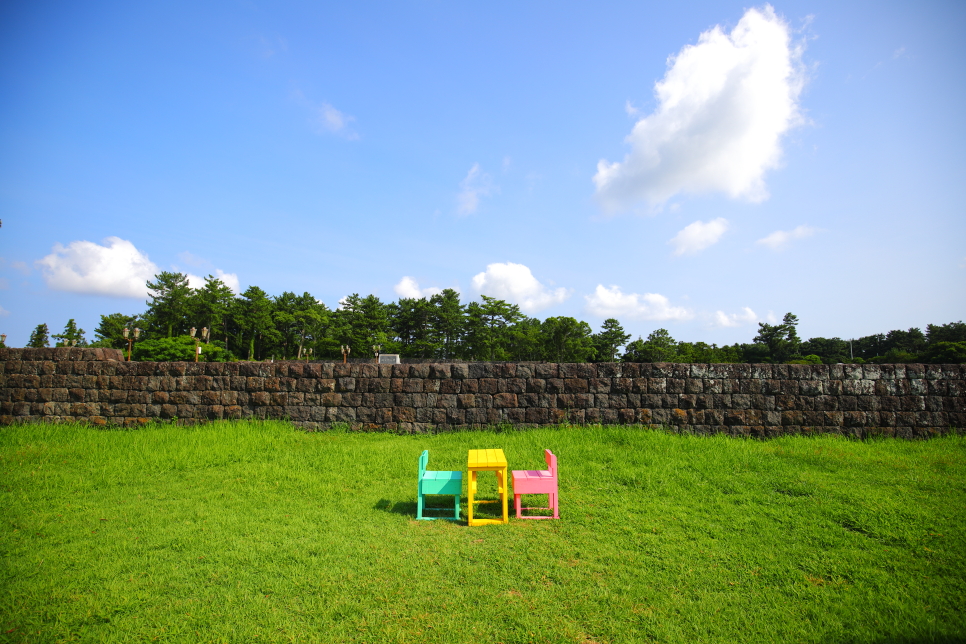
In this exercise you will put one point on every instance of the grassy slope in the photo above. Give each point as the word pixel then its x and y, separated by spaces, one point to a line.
pixel 243 531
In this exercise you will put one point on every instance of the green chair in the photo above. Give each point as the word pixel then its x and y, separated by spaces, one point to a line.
pixel 431 482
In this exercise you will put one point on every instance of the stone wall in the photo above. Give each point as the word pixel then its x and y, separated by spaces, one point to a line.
pixel 97 386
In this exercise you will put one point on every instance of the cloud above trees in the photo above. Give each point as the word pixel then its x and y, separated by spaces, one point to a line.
pixel 409 288
pixel 117 268
pixel 230 280
pixel 723 106
pixel 610 302
pixel 722 319
pixel 517 285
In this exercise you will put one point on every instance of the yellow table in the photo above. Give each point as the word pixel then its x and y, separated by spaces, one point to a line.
pixel 487 460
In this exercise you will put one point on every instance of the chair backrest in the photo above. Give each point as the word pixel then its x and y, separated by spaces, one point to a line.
pixel 423 462
pixel 551 462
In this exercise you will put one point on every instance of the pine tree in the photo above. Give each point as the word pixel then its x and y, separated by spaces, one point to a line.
pixel 71 336
pixel 167 314
pixel 40 337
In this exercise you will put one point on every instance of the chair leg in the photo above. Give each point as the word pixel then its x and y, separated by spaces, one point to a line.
pixel 516 503
pixel 457 502
pixel 556 508
pixel 419 506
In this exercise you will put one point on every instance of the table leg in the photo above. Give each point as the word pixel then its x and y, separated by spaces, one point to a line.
pixel 503 494
pixel 471 489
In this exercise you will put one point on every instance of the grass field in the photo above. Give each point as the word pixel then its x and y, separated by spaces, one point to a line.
pixel 251 532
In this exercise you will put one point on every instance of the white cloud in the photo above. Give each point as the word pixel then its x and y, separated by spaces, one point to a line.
pixel 20 267
pixel 230 280
pixel 191 259
pixel 329 119
pixel 409 288
pixel 4 312
pixel 517 285
pixel 117 269
pixel 476 184
pixel 698 236
pixel 630 109
pixel 780 238
pixel 269 46
pixel 723 107
pixel 747 316
pixel 612 303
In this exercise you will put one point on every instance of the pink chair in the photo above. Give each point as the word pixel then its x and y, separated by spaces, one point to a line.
pixel 537 482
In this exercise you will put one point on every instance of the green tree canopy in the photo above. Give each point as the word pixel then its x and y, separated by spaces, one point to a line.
pixel 487 323
pixel 253 314
pixel 209 307
pixel 608 342
pixel 952 332
pixel 781 339
pixel 945 353
pixel 170 304
pixel 71 336
pixel 300 321
pixel 448 323
pixel 830 350
pixel 180 348
pixel 659 347
pixel 110 332
pixel 567 339
pixel 40 337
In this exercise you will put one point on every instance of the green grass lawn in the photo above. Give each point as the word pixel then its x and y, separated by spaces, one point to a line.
pixel 250 532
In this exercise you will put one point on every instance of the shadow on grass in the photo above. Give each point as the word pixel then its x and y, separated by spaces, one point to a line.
pixel 408 509
pixel 402 507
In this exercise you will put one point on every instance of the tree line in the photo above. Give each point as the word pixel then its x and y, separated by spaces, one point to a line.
pixel 257 326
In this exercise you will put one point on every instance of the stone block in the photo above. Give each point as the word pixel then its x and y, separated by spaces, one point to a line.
pixel 505 400
pixel 418 371
pixel 555 386
pixel 576 386
pixel 854 419
pixel 755 386
pixel 848 403
pixel 834 418
pixel 867 403
pixel 515 416
pixel 762 372
pixel 674 385
pixel 599 385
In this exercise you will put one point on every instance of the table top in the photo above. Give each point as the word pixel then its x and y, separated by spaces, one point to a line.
pixel 479 458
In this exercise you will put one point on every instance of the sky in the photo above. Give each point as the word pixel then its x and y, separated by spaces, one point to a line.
pixel 699 167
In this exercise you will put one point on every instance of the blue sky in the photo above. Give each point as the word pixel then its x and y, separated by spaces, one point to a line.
pixel 699 167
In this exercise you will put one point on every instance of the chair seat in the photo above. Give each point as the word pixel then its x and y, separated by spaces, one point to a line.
pixel 441 482
pixel 533 482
